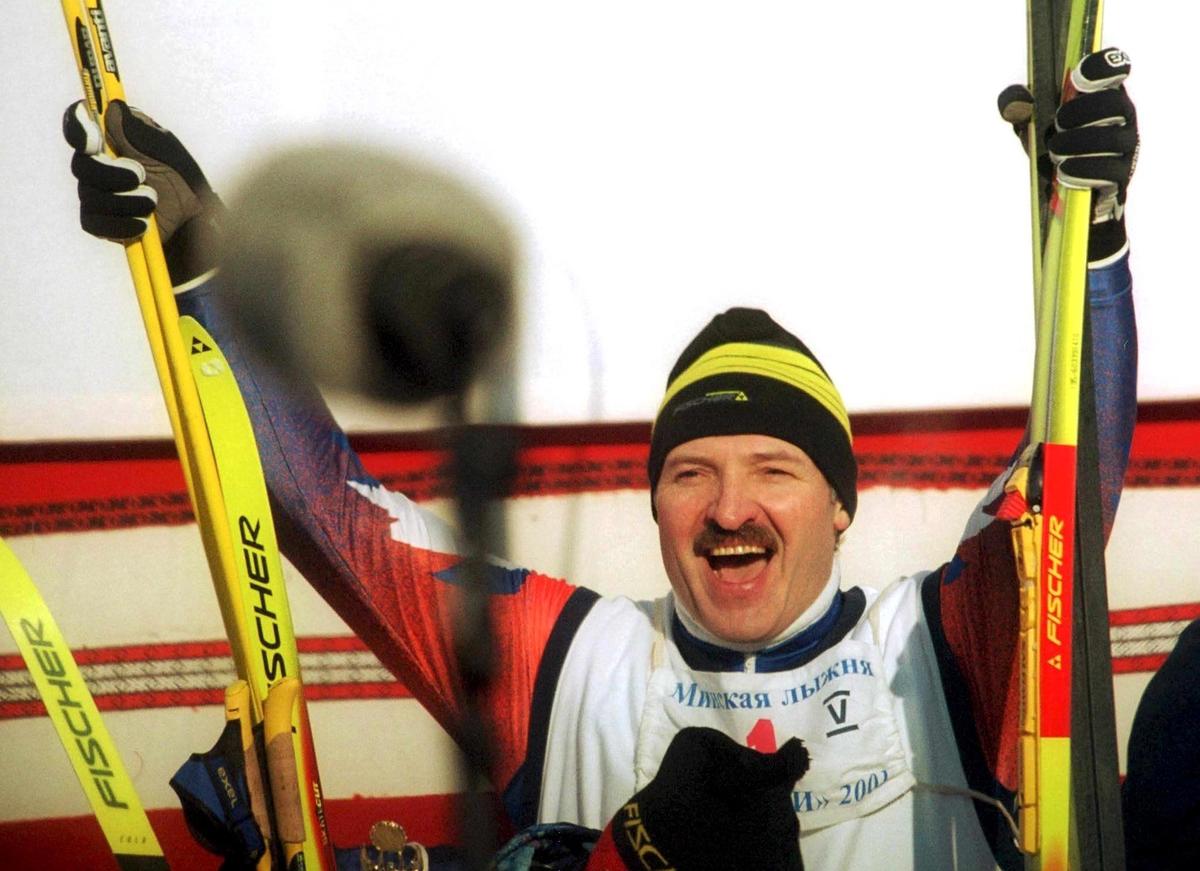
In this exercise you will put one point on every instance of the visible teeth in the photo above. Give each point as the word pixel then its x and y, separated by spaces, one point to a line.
pixel 737 550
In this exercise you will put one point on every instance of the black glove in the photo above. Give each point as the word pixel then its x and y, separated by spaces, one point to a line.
pixel 1093 143
pixel 153 174
pixel 715 804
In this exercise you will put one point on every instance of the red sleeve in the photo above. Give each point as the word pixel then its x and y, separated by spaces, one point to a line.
pixel 388 569
pixel 401 599
pixel 979 619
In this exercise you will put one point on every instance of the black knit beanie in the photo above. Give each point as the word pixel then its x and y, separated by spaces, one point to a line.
pixel 743 373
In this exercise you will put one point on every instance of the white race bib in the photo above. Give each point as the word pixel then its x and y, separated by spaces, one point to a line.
pixel 839 705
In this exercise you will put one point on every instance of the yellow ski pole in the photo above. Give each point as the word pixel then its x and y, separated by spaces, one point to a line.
pixel 97 65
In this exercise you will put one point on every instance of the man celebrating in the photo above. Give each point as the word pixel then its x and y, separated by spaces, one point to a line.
pixel 766 707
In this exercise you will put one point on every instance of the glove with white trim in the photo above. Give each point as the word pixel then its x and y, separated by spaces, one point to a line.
pixel 1093 143
pixel 153 174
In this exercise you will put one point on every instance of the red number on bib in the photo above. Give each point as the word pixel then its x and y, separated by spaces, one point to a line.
pixel 762 737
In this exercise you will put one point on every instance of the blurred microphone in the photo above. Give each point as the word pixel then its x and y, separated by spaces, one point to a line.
pixel 374 273
pixel 369 271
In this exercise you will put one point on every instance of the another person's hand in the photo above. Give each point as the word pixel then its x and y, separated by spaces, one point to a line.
pixel 1093 143
pixel 713 804
pixel 152 174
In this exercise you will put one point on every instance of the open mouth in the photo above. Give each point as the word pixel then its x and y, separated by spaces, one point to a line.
pixel 737 572
pixel 733 557
pixel 737 558
pixel 737 555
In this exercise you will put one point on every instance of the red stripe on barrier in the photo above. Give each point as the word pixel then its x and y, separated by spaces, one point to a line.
pixel 1133 664
pixel 206 649
pixel 152 652
pixel 1155 614
pixel 74 487
pixel 196 698
pixel 343 691
pixel 330 644
pixel 185 651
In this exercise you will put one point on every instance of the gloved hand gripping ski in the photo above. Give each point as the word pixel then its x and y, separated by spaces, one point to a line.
pixel 154 174
pixel 1093 143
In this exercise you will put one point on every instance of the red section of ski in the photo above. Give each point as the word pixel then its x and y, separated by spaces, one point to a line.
pixel 1058 550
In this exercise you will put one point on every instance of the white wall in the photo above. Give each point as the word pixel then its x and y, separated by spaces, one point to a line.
pixel 841 164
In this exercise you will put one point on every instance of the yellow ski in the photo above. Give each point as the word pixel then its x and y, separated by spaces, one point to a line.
pixel 1043 489
pixel 273 664
pixel 77 721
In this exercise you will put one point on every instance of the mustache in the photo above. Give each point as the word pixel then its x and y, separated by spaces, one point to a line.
pixel 749 534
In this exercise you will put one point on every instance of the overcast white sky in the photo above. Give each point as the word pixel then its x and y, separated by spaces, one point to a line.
pixel 842 165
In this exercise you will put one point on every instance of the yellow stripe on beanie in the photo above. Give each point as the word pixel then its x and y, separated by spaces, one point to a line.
pixel 788 365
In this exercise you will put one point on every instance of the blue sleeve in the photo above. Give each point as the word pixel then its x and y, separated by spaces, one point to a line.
pixel 1114 362
pixel 306 458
